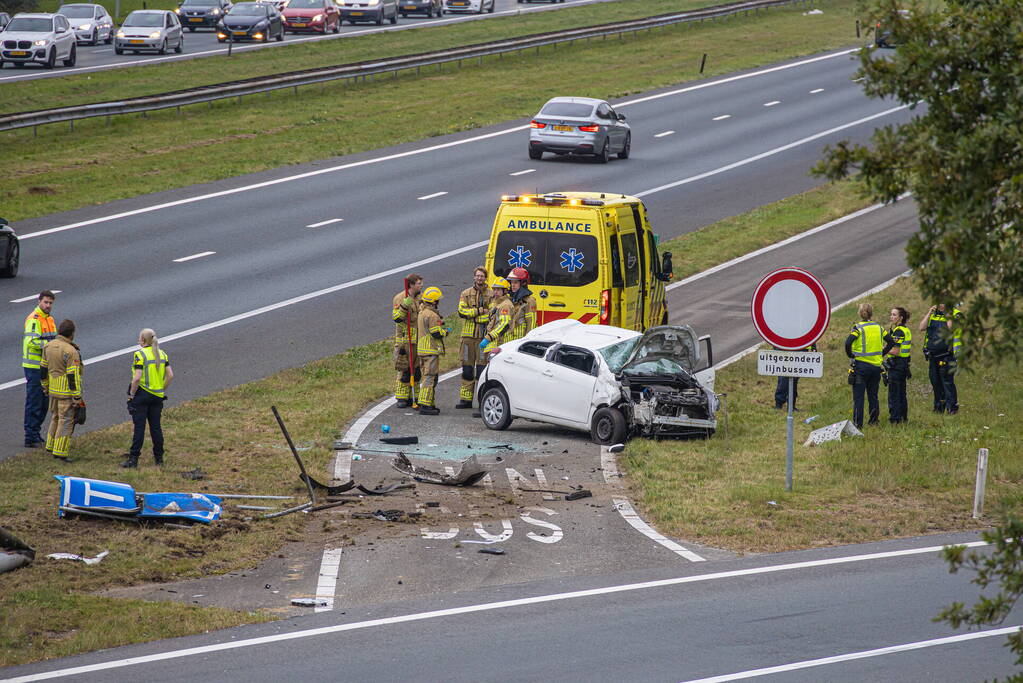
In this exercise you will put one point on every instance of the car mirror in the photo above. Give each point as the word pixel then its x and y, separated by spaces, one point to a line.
pixel 60 30
pixel 3 221
pixel 621 117
pixel 666 267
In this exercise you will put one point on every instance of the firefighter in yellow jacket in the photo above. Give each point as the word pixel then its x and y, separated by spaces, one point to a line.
pixel 404 312
pixel 61 367
pixel 499 329
pixel 524 316
pixel 431 348
pixel 474 310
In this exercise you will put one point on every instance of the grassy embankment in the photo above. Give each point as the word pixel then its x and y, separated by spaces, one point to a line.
pixel 133 155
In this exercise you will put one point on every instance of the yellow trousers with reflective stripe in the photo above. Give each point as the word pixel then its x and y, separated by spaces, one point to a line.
pixel 430 365
pixel 62 425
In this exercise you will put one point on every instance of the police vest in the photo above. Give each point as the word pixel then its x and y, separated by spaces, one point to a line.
pixel 934 340
pixel 153 369
pixel 869 343
pixel 903 338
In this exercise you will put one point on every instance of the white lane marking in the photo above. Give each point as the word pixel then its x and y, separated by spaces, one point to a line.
pixel 326 222
pixel 484 607
pixel 863 654
pixel 772 152
pixel 431 196
pixel 446 145
pixel 330 565
pixel 541 479
pixel 665 134
pixel 609 468
pixel 722 117
pixel 31 296
pixel 772 103
pixel 629 514
pixel 194 256
pixel 816 90
pixel 528 170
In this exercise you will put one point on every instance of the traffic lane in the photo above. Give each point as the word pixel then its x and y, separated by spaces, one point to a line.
pixel 203 43
pixel 716 624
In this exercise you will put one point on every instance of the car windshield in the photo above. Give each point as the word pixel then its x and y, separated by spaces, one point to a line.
pixel 618 354
pixel 247 9
pixel 665 350
pixel 30 25
pixel 76 11
pixel 553 260
pixel 305 4
pixel 140 19
pixel 573 109
pixel 200 3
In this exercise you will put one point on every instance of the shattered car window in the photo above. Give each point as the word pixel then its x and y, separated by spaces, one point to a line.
pixel 677 345
pixel 618 354
pixel 661 366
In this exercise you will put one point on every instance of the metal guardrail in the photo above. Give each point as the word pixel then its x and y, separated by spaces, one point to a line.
pixel 358 70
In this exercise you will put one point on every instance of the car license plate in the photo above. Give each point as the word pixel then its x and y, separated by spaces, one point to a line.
pixel 410 7
pixel 195 19
pixel 18 53
pixel 136 42
pixel 356 14
pixel 567 129
pixel 299 25
pixel 238 33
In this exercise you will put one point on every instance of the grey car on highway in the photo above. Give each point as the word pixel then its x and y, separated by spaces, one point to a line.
pixel 38 38
pixel 150 30
pixel 91 23
pixel 579 126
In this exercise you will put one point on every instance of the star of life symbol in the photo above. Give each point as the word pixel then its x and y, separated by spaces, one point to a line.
pixel 519 257
pixel 572 260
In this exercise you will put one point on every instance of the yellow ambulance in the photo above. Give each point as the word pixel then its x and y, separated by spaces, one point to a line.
pixel 591 256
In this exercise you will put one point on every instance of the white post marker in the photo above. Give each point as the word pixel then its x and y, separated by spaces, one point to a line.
pixel 791 310
pixel 978 492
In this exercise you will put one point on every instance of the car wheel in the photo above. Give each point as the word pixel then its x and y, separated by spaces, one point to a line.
pixel 13 256
pixel 535 154
pixel 181 45
pixel 624 154
pixel 493 6
pixel 72 58
pixel 608 426
pixel 605 153
pixel 51 59
pixel 280 36
pixel 118 51
pixel 163 48
pixel 110 37
pixel 380 19
pixel 95 37
pixel 394 17
pixel 495 409
pixel 337 26
pixel 191 29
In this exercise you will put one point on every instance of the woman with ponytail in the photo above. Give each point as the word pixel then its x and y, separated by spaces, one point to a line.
pixel 151 377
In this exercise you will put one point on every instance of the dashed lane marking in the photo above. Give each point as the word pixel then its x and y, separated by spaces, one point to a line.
pixel 528 170
pixel 325 587
pixel 722 117
pixel 665 134
pixel 432 196
pixel 194 256
pixel 326 222
pixel 31 296
pixel 816 90
pixel 772 103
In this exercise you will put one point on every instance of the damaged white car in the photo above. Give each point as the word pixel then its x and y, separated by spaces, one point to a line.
pixel 610 381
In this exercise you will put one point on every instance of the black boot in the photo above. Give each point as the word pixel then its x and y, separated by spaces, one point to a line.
pixel 463 404
pixel 132 461
pixel 402 403
pixel 158 459
pixel 429 410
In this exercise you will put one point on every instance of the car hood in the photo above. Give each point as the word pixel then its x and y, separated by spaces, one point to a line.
pixel 25 35
pixel 243 21
pixel 140 31
pixel 304 13
pixel 662 348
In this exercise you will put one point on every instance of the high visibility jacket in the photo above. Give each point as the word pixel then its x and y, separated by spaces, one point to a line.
pixel 62 369
pixel 900 336
pixel 935 340
pixel 474 323
pixel 154 370
pixel 40 328
pixel 523 316
pixel 431 331
pixel 499 329
pixel 400 313
pixel 868 342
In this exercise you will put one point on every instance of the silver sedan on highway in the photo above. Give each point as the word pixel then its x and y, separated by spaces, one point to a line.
pixel 91 23
pixel 579 126
pixel 149 30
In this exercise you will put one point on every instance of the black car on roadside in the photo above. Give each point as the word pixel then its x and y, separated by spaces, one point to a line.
pixel 202 13
pixel 251 21
pixel 10 250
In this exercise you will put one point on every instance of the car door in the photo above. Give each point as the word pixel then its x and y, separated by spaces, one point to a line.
pixel 519 372
pixel 567 380
pixel 629 300
pixel 65 36
pixel 621 128
pixel 276 20
pixel 609 124
pixel 173 28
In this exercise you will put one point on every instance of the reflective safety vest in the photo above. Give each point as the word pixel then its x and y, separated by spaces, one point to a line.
pixel 400 314
pixel 901 336
pixel 934 336
pixel 39 329
pixel 62 369
pixel 499 329
pixel 431 332
pixel 474 323
pixel 868 344
pixel 154 370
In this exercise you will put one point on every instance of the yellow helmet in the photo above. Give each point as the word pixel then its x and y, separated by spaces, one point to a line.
pixel 500 282
pixel 432 295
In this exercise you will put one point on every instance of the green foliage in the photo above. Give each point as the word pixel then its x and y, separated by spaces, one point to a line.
pixel 1002 566
pixel 12 7
pixel 958 68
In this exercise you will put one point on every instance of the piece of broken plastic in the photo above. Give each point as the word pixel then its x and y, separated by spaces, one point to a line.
pixel 309 602
pixel 492 551
pixel 72 556
pixel 616 448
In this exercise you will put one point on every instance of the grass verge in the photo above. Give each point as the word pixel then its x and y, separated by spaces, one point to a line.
pixel 138 155
pixel 896 481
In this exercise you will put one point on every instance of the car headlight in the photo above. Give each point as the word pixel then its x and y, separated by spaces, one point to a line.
pixel 154 34
pixel 215 11
pixel 318 17
pixel 177 10
pixel 40 43
pixel 372 2
pixel 85 27
pixel 120 34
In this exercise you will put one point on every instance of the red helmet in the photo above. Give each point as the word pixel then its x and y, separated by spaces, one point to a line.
pixel 520 274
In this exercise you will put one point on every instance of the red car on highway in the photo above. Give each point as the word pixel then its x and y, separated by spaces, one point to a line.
pixel 316 16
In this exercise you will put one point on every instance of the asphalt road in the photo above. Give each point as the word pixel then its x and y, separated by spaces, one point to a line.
pixel 272 292
pixel 203 42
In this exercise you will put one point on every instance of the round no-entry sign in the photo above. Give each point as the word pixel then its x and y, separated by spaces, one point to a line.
pixel 790 309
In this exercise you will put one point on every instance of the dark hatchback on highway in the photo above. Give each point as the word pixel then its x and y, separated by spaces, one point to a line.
pixel 251 21
pixel 202 13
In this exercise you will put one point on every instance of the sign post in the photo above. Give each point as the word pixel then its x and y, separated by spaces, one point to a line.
pixel 791 311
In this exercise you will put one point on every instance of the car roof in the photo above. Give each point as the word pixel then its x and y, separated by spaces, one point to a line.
pixel 80 4
pixel 35 15
pixel 150 11
pixel 577 100
pixel 575 333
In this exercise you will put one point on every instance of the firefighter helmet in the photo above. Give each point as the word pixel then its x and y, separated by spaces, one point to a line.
pixel 500 282
pixel 432 295
pixel 520 274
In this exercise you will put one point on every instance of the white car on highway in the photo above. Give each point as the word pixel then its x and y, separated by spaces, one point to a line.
pixel 91 23
pixel 40 39
pixel 609 381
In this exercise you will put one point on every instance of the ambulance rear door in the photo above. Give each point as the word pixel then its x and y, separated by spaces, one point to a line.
pixel 633 258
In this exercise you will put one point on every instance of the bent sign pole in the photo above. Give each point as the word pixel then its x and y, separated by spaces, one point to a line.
pixel 791 311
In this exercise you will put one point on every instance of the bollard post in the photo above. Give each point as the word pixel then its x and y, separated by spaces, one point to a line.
pixel 978 492
pixel 857 28
pixel 703 62
pixel 788 438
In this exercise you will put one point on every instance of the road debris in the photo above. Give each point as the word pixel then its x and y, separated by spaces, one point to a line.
pixel 492 551
pixel 329 490
pixel 13 552
pixel 581 493
pixel 116 500
pixel 309 602
pixel 194 474
pixel 291 445
pixel 72 556
pixel 469 473
pixel 384 490
pixel 381 515
pixel 833 432
pixel 400 440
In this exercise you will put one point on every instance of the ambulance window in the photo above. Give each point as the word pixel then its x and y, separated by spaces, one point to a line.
pixel 630 259
pixel 520 249
pixel 572 260
pixel 655 262
pixel 616 264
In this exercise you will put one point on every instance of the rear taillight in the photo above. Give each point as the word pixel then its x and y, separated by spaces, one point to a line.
pixel 589 129
pixel 605 307
pixel 537 124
